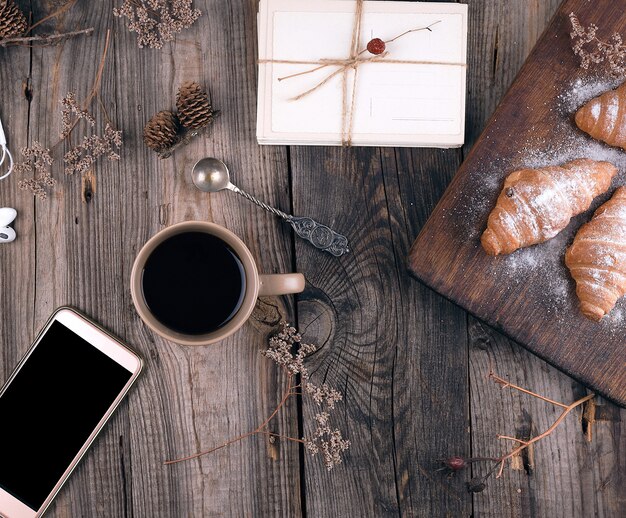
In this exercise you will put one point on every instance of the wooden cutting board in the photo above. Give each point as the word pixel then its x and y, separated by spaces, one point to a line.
pixel 529 295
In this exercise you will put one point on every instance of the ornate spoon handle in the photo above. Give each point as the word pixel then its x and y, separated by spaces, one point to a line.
pixel 318 235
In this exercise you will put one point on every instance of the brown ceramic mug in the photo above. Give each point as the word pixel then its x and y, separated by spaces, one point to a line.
pixel 254 284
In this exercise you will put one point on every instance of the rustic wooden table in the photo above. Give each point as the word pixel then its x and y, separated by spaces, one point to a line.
pixel 413 366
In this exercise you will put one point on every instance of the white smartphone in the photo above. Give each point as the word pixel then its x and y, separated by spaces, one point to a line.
pixel 54 405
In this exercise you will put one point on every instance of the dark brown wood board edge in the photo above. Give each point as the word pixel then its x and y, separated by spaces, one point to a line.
pixel 437 283
pixel 594 387
pixel 468 159
pixel 509 91
pixel 501 105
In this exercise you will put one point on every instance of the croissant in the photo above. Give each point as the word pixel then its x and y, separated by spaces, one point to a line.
pixel 597 258
pixel 536 204
pixel 604 117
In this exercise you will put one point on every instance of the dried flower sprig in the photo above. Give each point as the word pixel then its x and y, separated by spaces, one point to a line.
pixel 592 50
pixel 157 21
pixel 37 161
pixel 81 157
pixel 376 48
pixel 324 439
pixel 479 483
pixel 70 107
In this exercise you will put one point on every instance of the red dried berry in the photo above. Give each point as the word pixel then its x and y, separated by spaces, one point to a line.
pixel 455 463
pixel 376 46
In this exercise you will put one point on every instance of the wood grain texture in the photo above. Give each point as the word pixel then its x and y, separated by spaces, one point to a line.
pixel 541 483
pixel 188 399
pixel 547 487
pixel 448 257
pixel 413 365
pixel 396 351
pixel 208 395
pixel 17 262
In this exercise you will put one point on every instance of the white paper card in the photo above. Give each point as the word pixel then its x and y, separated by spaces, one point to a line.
pixel 395 104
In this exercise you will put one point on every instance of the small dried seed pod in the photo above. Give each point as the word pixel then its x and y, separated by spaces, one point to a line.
pixel 455 463
pixel 161 131
pixel 476 485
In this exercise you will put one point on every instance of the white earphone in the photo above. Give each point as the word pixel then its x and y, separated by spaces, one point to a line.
pixel 6 154
pixel 7 215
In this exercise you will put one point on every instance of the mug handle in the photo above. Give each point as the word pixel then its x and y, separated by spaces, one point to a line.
pixel 281 284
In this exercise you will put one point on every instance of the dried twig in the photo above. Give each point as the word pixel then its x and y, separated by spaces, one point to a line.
pixel 44 39
pixel 54 14
pixel 343 62
pixel 428 28
pixel 525 444
pixel 477 484
pixel 67 129
pixel 259 429
pixel 325 440
pixel 96 84
pixel 507 384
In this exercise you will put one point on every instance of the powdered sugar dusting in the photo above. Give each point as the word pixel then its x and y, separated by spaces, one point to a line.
pixel 540 269
pixel 612 111
pixel 615 319
pixel 582 90
pixel 595 110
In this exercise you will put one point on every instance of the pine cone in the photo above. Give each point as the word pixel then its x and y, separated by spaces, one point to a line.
pixel 161 131
pixel 194 108
pixel 12 20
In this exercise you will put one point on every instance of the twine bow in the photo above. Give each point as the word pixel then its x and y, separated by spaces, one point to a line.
pixel 352 62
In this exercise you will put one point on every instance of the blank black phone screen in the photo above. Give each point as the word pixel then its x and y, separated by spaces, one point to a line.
pixel 50 409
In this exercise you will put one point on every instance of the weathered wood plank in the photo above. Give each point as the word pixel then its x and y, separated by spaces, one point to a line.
pixel 203 396
pixel 320 496
pixel 405 356
pixel 432 386
pixel 398 350
pixel 559 482
pixel 78 249
pixel 187 398
pixel 565 475
pixel 17 259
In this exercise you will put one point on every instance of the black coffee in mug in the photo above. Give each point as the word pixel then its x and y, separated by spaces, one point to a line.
pixel 193 283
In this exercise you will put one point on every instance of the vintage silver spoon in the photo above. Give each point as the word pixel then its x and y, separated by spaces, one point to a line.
pixel 211 175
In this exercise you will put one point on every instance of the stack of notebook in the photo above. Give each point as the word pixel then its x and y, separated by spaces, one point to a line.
pixel 395 104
